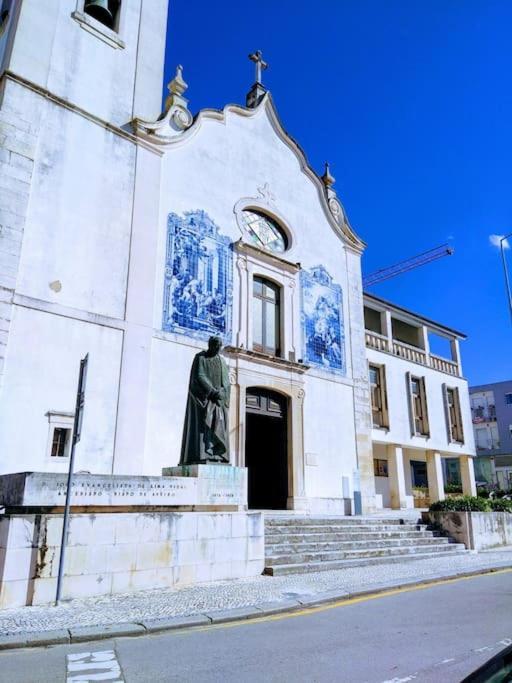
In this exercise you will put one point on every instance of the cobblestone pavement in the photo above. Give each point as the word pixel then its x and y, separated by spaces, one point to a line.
pixel 171 602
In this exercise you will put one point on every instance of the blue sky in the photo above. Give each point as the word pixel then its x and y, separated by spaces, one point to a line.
pixel 411 102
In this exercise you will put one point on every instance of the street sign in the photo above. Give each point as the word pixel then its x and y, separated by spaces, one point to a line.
pixel 77 431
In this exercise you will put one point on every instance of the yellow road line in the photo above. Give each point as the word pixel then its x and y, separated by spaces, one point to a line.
pixel 344 602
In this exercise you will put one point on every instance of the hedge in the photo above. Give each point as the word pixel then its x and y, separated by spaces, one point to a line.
pixel 471 504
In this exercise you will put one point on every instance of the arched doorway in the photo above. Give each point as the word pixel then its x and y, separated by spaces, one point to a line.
pixel 266 449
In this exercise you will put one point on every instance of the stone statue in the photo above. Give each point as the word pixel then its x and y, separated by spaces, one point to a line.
pixel 206 429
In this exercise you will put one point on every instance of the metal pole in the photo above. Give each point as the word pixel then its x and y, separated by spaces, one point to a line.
pixel 505 270
pixel 76 438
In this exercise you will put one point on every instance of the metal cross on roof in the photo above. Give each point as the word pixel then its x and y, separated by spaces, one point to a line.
pixel 257 58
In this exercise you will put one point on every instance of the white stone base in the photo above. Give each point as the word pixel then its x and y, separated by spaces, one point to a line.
pixel 127 551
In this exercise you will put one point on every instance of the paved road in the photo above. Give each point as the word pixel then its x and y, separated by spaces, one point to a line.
pixel 434 634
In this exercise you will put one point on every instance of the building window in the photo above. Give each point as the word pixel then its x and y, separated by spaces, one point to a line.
pixel 453 414
pixel 60 442
pixel 264 232
pixel 59 434
pixel 378 394
pixel 104 11
pixel 266 331
pixel 380 467
pixel 417 395
pixel 508 399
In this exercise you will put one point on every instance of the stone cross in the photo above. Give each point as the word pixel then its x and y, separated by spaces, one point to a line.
pixel 257 58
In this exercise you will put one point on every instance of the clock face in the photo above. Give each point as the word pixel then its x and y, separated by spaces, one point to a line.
pixel 264 232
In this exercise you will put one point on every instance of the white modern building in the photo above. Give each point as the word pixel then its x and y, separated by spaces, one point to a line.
pixel 132 236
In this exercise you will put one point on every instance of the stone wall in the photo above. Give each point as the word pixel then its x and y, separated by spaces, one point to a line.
pixel 477 530
pixel 122 552
pixel 19 130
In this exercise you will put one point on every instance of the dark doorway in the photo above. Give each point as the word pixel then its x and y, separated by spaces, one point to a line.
pixel 266 449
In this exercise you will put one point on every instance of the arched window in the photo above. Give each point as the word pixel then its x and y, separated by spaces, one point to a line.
pixel 266 317
pixel 264 231
pixel 104 11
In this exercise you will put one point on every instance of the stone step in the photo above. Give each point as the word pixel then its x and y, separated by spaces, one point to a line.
pixel 319 521
pixel 329 556
pixel 345 528
pixel 301 547
pixel 294 568
pixel 347 536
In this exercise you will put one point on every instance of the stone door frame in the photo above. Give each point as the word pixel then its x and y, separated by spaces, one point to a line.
pixel 242 379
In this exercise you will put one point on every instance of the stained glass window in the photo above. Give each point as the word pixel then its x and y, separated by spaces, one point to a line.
pixel 264 232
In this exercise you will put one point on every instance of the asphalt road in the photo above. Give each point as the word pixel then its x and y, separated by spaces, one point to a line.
pixel 435 634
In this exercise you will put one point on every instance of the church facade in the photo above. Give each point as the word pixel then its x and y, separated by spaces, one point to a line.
pixel 133 236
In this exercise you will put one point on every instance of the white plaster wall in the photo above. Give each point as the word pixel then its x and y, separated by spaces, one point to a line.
pixel 79 218
pixel 79 67
pixel 222 162
pixel 400 430
pixel 41 375
pixel 212 169
pixel 329 435
pixel 169 377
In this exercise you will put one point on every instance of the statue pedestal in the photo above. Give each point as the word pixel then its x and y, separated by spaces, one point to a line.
pixel 216 484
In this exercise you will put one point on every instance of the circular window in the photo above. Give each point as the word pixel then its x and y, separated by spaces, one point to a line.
pixel 264 231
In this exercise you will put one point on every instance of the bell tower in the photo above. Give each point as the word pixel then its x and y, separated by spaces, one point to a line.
pixel 104 56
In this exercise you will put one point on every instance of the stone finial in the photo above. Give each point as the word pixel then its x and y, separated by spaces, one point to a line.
pixel 328 179
pixel 177 86
pixel 176 117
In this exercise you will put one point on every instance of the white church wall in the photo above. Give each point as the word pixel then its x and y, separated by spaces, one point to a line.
pixel 220 164
pixel 41 375
pixel 77 234
pixel 170 371
pixel 78 59
pixel 328 437
pixel 399 431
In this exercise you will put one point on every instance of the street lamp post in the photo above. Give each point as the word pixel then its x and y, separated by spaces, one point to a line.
pixel 505 270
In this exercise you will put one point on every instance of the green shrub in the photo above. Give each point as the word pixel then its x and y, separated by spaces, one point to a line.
pixel 501 505
pixel 482 492
pixel 461 504
pixel 453 488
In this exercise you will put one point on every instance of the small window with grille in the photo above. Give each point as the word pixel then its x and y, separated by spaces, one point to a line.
pixel 60 442
pixel 380 467
pixel 60 433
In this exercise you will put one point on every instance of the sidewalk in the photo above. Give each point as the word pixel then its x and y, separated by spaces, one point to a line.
pixel 161 609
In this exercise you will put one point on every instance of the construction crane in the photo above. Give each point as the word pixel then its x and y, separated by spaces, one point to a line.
pixel 407 264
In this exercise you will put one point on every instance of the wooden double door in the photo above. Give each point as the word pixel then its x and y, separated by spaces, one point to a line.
pixel 266 449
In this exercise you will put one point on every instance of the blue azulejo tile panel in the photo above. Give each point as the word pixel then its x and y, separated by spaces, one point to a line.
pixel 198 290
pixel 322 321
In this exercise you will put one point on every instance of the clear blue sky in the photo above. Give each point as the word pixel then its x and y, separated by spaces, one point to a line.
pixel 411 102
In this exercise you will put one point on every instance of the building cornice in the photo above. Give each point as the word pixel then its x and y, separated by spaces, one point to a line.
pixel 66 104
pixel 164 134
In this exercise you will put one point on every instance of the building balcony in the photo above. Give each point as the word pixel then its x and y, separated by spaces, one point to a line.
pixel 411 353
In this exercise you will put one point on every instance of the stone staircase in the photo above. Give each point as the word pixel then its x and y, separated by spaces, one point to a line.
pixel 295 544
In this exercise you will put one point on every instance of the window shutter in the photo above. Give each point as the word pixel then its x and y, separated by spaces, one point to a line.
pixel 384 394
pixel 447 413
pixel 460 426
pixel 410 402
pixel 426 424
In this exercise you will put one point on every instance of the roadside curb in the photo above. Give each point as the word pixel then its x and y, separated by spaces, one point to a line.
pixel 83 634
